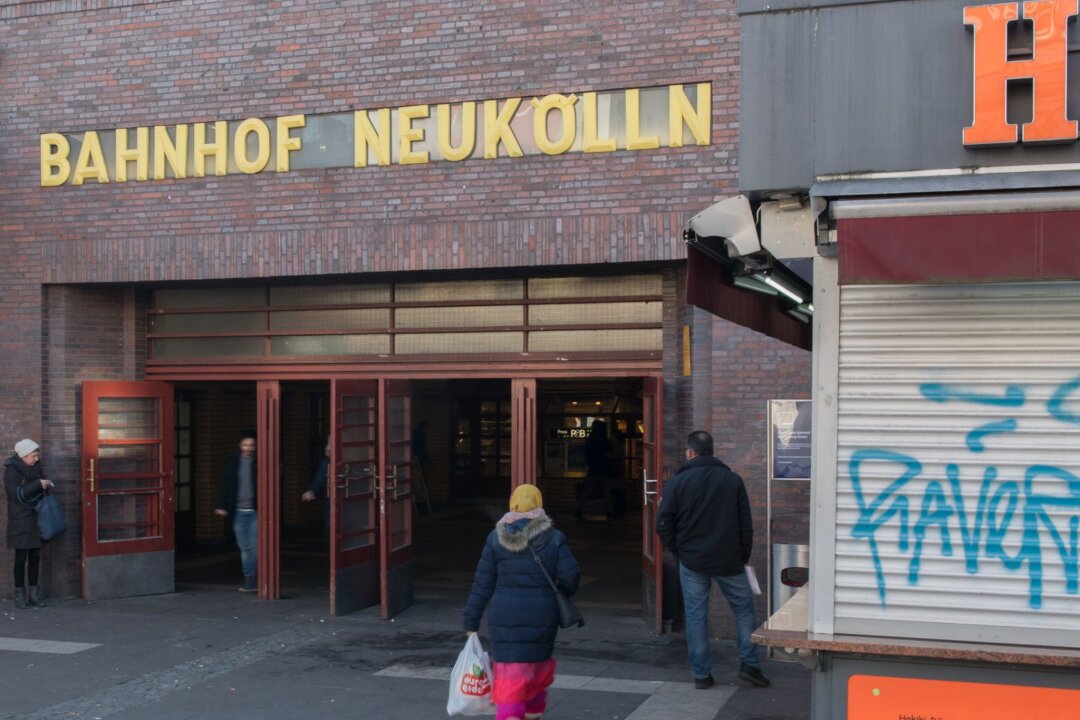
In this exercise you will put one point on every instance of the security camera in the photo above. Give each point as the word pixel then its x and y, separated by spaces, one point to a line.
pixel 731 220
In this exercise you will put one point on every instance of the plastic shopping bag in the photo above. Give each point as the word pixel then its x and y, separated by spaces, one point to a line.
pixel 470 682
pixel 751 577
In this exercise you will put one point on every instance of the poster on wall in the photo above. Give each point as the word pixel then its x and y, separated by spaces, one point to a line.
pixel 790 432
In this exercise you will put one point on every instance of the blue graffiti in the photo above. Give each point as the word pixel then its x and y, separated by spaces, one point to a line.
pixel 1000 505
pixel 975 437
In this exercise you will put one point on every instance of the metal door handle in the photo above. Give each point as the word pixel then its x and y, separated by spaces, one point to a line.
pixel 392 475
pixel 646 492
pixel 90 474
pixel 365 471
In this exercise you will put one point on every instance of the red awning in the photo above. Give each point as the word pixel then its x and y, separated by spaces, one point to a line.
pixel 709 287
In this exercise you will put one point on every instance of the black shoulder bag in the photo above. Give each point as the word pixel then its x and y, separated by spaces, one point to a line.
pixel 568 614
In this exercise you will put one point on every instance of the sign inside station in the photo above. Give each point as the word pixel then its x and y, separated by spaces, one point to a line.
pixel 553 124
pixel 577 433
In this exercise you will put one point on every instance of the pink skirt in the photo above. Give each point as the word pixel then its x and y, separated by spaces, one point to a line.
pixel 520 682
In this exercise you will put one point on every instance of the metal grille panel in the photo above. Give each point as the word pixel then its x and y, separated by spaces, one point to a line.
pixel 459 290
pixel 488 316
pixel 329 319
pixel 330 345
pixel 330 294
pixel 595 340
pixel 596 313
pixel 451 317
pixel 604 286
pixel 959 462
pixel 439 343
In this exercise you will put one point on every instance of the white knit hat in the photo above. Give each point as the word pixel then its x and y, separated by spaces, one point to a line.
pixel 25 447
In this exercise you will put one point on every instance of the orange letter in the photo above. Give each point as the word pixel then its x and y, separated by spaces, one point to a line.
pixel 1046 68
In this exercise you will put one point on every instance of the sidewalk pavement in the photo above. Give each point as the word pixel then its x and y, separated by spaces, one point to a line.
pixel 210 652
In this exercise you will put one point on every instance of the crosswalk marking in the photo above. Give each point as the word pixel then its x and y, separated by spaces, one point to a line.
pixel 679 701
pixel 50 647
pixel 562 682
pixel 663 701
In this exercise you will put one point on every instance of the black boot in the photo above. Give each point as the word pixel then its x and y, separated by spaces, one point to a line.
pixel 20 598
pixel 34 597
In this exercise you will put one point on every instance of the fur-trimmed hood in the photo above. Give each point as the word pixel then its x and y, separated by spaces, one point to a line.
pixel 515 536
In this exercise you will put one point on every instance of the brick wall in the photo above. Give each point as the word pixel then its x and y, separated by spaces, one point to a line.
pixel 125 65
pixel 734 372
pixel 90 335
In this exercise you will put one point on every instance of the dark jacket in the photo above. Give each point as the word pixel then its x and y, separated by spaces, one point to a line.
pixel 704 518
pixel 22 528
pixel 230 482
pixel 523 618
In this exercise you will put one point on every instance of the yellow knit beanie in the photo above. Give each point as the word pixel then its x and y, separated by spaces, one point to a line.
pixel 525 498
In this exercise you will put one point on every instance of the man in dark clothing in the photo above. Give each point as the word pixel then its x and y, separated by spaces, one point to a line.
pixel 319 487
pixel 598 454
pixel 704 520
pixel 237 498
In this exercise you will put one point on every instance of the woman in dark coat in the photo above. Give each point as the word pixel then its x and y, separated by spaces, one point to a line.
pixel 524 617
pixel 23 471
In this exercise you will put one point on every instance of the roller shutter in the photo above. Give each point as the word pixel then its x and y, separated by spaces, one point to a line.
pixel 958 497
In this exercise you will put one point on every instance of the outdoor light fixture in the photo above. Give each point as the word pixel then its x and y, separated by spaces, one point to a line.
pixel 779 287
pixel 748 282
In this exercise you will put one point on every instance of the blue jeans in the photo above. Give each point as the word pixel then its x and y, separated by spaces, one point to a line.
pixel 246 528
pixel 736 588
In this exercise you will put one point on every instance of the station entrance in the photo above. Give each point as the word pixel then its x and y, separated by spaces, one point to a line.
pixel 419 472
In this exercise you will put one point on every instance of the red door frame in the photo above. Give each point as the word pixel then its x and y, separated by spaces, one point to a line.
pixel 652 554
pixel 92 392
pixel 395 491
pixel 348 549
pixel 160 511
pixel 522 432
pixel 523 449
pixel 268 459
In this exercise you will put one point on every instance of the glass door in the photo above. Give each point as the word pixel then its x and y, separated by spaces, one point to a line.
pixel 127 489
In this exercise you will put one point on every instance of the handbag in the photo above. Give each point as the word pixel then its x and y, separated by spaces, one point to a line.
pixel 50 515
pixel 568 613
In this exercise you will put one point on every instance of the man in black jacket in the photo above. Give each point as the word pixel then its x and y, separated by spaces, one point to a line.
pixel 704 520
pixel 237 499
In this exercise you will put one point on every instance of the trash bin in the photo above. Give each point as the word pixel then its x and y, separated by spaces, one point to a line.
pixel 785 555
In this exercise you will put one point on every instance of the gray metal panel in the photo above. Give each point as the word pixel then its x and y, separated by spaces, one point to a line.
pixel 873 87
pixel 983 182
pixel 954 205
pixel 892 81
pixel 115 576
pixel 776 106
pixel 749 7
pixel 400 582
pixel 357 588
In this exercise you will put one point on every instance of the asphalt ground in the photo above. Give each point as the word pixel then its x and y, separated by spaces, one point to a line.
pixel 211 652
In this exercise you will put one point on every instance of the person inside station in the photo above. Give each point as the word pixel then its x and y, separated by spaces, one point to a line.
pixel 237 499
pixel 318 487
pixel 599 456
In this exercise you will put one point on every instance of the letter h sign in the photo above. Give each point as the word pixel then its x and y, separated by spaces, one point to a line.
pixel 1047 69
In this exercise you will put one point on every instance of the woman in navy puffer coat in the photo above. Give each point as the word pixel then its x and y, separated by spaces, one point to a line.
pixel 524 618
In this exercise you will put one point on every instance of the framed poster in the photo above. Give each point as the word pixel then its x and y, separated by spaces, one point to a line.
pixel 790 439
